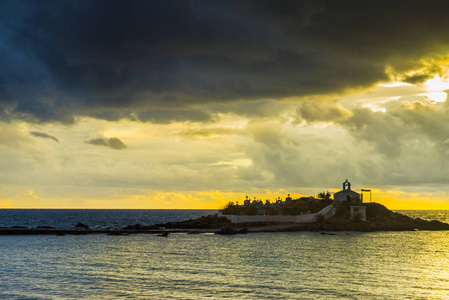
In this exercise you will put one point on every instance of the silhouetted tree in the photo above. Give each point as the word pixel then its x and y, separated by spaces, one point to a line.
pixel 324 196
pixel 230 209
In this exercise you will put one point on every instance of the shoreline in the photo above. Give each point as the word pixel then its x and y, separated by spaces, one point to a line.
pixel 228 230
pixel 259 229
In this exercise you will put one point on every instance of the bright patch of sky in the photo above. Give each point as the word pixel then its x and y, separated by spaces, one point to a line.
pixel 436 84
pixel 394 84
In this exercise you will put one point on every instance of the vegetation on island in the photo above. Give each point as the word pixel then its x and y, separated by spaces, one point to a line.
pixel 303 205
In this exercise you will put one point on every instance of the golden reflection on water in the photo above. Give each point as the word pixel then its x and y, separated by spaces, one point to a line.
pixel 380 265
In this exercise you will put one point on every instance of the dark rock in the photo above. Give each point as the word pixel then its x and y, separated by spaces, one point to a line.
pixel 81 225
pixel 228 230
pixel 243 231
pixel 139 227
pixel 205 222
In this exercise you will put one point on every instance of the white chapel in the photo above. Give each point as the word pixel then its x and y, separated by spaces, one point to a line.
pixel 346 194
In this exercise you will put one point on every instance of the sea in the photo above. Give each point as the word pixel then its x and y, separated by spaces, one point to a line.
pixel 291 265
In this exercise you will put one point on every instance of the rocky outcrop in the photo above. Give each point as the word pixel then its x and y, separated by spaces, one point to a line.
pixel 140 227
pixel 228 230
pixel 81 226
pixel 205 222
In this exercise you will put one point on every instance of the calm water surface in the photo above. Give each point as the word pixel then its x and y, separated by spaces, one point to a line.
pixel 440 215
pixel 96 218
pixel 385 265
pixel 301 265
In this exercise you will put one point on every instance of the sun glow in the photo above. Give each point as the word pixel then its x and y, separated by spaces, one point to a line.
pixel 394 84
pixel 436 96
pixel 436 84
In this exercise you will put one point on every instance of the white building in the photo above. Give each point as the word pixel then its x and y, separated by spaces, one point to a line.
pixel 346 195
pixel 358 210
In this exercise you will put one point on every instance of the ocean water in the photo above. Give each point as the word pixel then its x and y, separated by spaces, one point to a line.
pixel 96 218
pixel 298 265
pixel 429 215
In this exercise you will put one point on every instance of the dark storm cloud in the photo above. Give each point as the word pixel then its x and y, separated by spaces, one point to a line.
pixel 62 59
pixel 417 79
pixel 251 109
pixel 113 143
pixel 44 135
pixel 161 116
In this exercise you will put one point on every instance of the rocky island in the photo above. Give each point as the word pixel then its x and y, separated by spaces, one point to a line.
pixel 378 218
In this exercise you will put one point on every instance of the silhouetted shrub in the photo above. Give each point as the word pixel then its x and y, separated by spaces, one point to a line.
pixel 342 210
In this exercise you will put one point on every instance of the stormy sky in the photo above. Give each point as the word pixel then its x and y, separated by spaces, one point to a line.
pixel 190 104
